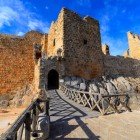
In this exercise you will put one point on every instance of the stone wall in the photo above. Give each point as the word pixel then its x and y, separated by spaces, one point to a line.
pixel 55 36
pixel 16 60
pixel 105 49
pixel 134 45
pixel 82 46
pixel 44 42
pixel 114 65
pixel 80 42
pixel 109 85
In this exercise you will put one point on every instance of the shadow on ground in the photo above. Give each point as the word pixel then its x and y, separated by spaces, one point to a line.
pixel 66 119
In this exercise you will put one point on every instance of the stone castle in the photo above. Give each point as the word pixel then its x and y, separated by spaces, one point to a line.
pixel 71 48
pixel 78 40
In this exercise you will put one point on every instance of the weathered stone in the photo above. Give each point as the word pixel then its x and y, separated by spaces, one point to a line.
pixel 134 101
pixel 73 82
pixel 134 46
pixel 19 103
pixel 105 49
pixel 103 91
pixel 16 60
pixel 110 88
pixel 4 103
pixel 67 80
pixel 93 87
pixel 82 86
pixel 44 125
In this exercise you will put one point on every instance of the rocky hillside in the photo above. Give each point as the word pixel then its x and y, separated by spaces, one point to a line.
pixel 109 85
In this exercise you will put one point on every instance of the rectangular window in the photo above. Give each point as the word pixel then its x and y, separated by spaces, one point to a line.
pixel 54 42
pixel 85 41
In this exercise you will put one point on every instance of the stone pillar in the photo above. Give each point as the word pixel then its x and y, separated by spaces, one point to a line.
pixel 105 49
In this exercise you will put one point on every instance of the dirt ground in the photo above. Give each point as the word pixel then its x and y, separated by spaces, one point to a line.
pixel 124 126
pixel 8 116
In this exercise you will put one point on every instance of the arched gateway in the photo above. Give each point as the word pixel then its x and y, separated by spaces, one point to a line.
pixel 53 79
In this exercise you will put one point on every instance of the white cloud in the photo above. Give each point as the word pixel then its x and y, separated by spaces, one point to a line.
pixel 20 33
pixel 7 15
pixel 117 45
pixel 36 24
pixel 15 12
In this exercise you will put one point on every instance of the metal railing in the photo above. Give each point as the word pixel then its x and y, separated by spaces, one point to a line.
pixel 26 125
pixel 105 104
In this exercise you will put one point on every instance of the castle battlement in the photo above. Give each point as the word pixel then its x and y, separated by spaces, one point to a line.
pixel 90 20
pixel 87 18
pixel 133 35
pixel 134 45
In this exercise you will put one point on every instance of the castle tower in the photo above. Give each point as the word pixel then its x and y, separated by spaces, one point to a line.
pixel 134 45
pixel 80 44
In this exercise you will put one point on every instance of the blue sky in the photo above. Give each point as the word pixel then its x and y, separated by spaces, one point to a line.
pixel 116 17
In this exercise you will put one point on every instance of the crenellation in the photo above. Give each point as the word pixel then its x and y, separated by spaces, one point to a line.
pixel 133 35
pixel 91 20
pixel 134 45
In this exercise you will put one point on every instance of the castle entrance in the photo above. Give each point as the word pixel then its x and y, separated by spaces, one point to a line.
pixel 53 79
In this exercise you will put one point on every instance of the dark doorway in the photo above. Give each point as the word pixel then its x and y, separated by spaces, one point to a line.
pixel 53 80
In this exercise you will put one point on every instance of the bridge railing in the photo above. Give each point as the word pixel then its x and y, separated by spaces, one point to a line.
pixel 105 104
pixel 26 124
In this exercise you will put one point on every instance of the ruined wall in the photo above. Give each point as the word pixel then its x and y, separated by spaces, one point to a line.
pixel 121 66
pixel 126 54
pixel 55 36
pixel 82 46
pixel 16 60
pixel 134 45
pixel 44 43
pixel 105 49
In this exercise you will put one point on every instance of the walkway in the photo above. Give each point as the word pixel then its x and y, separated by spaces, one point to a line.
pixel 63 110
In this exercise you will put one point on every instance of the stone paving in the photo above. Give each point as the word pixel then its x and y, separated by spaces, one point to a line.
pixel 84 126
pixel 62 108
